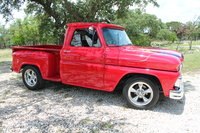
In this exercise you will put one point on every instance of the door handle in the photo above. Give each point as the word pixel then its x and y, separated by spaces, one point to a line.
pixel 67 51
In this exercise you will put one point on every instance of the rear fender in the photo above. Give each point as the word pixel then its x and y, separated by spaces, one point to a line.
pixel 36 58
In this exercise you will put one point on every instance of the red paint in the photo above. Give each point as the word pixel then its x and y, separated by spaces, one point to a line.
pixel 98 67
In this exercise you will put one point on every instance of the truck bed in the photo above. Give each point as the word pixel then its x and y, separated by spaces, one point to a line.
pixel 45 57
pixel 48 48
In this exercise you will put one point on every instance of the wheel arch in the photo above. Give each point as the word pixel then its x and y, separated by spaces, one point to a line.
pixel 39 81
pixel 33 65
pixel 122 81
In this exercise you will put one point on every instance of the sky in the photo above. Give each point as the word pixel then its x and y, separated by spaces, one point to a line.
pixel 169 10
pixel 176 10
pixel 16 14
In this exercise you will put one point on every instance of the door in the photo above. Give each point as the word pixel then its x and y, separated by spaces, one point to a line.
pixel 82 61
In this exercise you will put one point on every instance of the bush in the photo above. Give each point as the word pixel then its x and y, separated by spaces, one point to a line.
pixel 141 40
pixel 166 35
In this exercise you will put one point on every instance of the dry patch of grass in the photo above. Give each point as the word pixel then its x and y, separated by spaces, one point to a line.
pixel 5 55
pixel 86 120
pixel 107 125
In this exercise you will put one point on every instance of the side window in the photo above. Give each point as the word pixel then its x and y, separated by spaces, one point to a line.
pixel 85 38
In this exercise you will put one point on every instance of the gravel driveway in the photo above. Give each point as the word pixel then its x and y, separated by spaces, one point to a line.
pixel 64 108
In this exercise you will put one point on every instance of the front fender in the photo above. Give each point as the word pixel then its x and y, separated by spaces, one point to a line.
pixel 114 74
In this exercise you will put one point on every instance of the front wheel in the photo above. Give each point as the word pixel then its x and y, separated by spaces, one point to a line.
pixel 141 93
pixel 32 78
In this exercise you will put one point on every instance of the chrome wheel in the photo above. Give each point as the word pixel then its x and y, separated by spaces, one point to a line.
pixel 140 93
pixel 30 77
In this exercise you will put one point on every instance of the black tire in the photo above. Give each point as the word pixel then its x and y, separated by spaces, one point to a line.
pixel 38 80
pixel 153 95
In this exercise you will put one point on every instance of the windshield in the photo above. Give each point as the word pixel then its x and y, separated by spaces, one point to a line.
pixel 115 37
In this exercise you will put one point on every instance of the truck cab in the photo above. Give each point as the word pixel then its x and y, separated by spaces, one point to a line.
pixel 101 56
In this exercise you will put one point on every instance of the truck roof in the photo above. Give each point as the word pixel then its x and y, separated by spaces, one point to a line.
pixel 102 25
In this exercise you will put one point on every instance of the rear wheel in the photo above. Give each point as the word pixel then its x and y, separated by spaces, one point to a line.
pixel 32 78
pixel 141 93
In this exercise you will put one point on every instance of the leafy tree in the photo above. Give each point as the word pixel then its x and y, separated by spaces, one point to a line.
pixel 54 14
pixel 26 32
pixel 194 30
pixel 142 28
pixel 179 28
pixel 4 36
pixel 23 32
pixel 166 34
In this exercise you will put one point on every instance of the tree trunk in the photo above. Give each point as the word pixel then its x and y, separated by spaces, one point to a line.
pixel 190 45
pixel 4 45
pixel 178 45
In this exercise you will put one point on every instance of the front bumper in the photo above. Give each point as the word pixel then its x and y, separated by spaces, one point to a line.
pixel 11 69
pixel 178 91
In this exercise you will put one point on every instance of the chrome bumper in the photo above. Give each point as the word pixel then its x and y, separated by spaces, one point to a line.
pixel 11 69
pixel 178 93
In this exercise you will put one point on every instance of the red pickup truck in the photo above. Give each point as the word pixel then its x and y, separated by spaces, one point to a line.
pixel 101 56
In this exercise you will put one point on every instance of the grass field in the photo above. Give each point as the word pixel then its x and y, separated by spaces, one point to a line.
pixel 5 56
pixel 191 63
pixel 182 43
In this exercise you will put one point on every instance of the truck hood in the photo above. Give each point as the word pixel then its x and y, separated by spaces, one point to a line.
pixel 150 58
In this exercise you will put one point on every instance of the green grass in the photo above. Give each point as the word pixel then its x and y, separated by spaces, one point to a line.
pixel 187 43
pixel 183 43
pixel 107 125
pixel 191 62
pixel 183 50
pixel 196 43
pixel 2 101
pixel 86 120
pixel 5 55
pixel 94 131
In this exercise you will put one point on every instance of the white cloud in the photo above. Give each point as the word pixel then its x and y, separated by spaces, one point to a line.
pixel 176 10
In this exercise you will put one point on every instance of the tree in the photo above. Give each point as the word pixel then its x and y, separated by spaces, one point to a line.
pixel 56 13
pixel 142 28
pixel 194 30
pixel 179 28
pixel 23 32
pixel 166 34
pixel 26 32
pixel 4 36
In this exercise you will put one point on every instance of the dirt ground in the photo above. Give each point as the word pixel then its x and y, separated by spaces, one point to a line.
pixel 63 108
